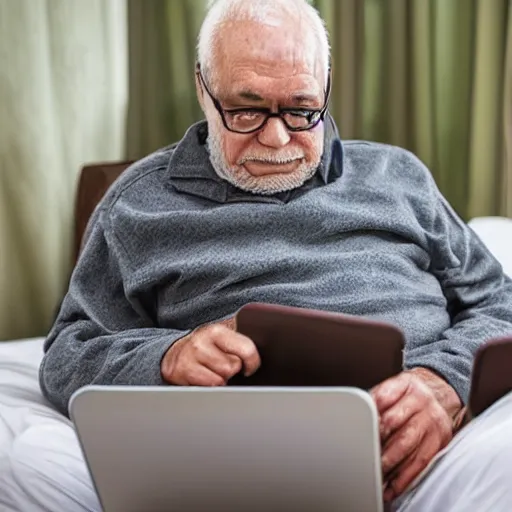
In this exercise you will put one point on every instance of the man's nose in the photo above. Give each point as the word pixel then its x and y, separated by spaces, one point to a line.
pixel 274 134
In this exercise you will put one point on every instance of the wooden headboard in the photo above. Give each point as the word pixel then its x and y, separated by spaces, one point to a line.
pixel 93 182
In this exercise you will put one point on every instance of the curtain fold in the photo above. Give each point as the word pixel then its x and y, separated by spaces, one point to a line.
pixel 487 131
pixel 506 168
pixel 422 88
pixel 347 37
pixel 452 69
pixel 63 92
pixel 162 98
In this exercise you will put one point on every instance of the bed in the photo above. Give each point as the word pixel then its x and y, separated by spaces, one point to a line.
pixel 21 403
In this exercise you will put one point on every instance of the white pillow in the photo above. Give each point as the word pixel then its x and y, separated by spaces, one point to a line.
pixel 496 233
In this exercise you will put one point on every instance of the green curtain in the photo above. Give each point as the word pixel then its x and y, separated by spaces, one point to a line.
pixel 429 76
pixel 162 98
pixel 63 94
pixel 426 75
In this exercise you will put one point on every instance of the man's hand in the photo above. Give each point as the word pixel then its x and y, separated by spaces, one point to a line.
pixel 210 356
pixel 416 410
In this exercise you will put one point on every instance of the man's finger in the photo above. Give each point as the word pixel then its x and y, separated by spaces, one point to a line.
pixel 224 364
pixel 391 492
pixel 403 442
pixel 239 345
pixel 390 391
pixel 399 414
pixel 199 375
pixel 409 469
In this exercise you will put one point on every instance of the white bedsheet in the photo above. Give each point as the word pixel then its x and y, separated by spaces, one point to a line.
pixel 21 404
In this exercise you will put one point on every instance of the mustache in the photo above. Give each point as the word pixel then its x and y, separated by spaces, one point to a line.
pixel 271 159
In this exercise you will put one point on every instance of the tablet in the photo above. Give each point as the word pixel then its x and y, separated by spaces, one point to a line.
pixel 306 347
pixel 492 374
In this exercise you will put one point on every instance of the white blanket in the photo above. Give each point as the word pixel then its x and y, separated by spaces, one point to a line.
pixel 32 436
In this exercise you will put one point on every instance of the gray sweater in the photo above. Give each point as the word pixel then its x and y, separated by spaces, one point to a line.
pixel 172 246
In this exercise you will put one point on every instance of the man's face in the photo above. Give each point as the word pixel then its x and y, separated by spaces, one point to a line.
pixel 271 67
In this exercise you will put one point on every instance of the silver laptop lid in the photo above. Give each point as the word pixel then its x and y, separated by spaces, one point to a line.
pixel 230 449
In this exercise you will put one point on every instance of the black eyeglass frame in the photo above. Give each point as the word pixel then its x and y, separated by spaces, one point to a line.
pixel 310 112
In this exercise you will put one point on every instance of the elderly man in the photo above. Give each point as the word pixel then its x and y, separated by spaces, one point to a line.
pixel 263 202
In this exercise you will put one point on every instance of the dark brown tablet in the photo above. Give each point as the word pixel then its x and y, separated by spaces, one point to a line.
pixel 492 374
pixel 304 347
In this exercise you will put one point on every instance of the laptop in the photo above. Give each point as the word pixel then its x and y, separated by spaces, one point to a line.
pixel 250 449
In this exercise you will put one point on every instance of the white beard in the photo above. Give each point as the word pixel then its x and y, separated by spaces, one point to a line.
pixel 263 185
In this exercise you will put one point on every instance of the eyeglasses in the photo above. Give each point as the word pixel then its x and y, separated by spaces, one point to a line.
pixel 249 120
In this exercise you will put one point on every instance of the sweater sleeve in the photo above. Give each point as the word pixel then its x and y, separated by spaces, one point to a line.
pixel 478 296
pixel 101 334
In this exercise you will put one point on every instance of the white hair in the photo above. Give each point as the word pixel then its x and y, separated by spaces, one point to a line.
pixel 268 12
